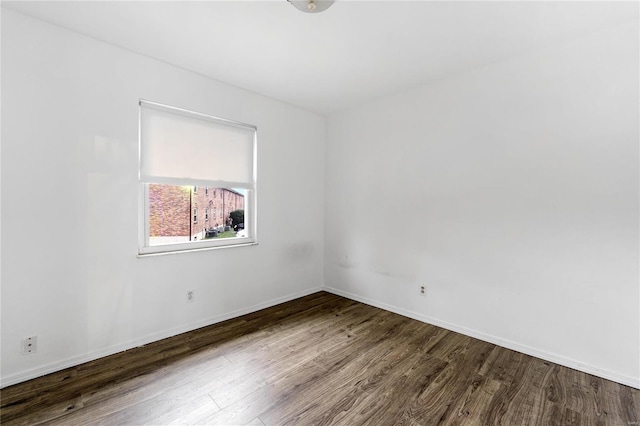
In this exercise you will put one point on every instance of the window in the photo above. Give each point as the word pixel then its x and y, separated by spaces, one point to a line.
pixel 180 151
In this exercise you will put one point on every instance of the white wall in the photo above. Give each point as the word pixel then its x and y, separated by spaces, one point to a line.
pixel 513 193
pixel 70 274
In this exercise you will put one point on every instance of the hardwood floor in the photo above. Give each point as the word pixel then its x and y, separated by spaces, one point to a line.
pixel 321 359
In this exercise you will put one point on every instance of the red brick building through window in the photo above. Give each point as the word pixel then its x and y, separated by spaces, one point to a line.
pixel 186 213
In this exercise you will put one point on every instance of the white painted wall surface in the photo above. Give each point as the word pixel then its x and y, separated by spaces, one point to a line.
pixel 70 274
pixel 514 196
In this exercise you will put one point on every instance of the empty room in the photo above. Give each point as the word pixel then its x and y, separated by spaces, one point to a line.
pixel 320 212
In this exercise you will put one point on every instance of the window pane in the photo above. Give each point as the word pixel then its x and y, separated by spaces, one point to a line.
pixel 174 218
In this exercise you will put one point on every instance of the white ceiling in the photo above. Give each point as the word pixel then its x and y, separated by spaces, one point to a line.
pixel 354 52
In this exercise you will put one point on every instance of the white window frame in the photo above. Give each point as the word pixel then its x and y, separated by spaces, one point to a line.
pixel 250 205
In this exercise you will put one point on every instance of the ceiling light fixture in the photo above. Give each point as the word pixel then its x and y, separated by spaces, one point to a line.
pixel 311 6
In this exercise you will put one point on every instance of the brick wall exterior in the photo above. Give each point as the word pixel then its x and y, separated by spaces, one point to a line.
pixel 214 206
pixel 168 210
pixel 171 216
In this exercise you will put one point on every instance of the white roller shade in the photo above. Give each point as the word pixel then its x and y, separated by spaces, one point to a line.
pixel 188 148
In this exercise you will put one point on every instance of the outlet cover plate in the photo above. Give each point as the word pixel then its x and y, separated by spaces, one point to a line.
pixel 29 345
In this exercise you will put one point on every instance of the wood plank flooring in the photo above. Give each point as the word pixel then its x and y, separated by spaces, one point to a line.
pixel 320 360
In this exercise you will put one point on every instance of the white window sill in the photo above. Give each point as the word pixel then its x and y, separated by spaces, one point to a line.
pixel 190 250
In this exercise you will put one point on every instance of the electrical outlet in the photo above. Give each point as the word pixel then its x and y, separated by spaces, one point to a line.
pixel 423 290
pixel 190 295
pixel 29 345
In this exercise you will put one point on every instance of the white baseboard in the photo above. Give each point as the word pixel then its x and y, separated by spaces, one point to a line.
pixel 74 361
pixel 633 382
